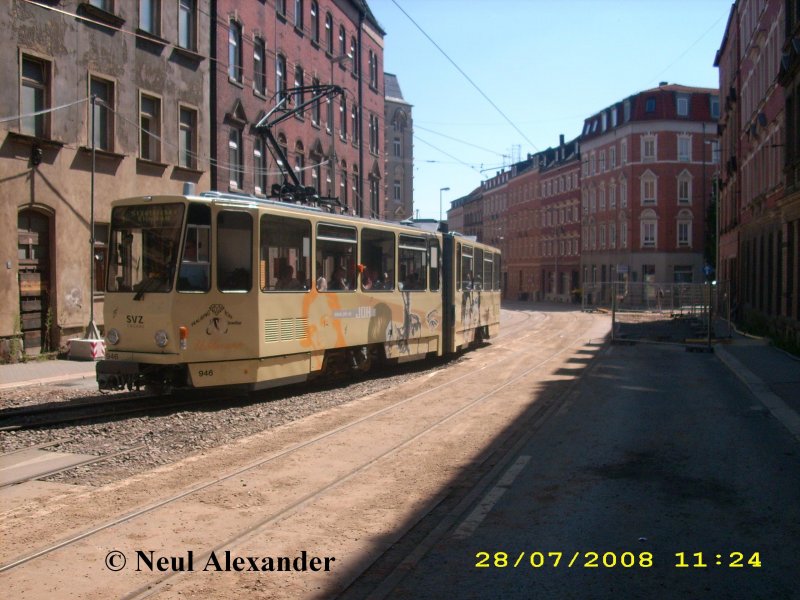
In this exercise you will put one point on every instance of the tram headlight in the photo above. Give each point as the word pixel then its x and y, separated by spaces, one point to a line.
pixel 112 336
pixel 161 338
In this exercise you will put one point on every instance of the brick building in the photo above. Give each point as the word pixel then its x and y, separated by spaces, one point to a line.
pixel 557 222
pixel 759 221
pixel 646 181
pixel 261 51
pixel 146 64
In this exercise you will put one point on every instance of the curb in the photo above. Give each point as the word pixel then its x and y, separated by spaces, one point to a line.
pixel 783 413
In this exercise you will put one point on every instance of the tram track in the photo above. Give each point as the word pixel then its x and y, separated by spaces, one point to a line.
pixel 326 439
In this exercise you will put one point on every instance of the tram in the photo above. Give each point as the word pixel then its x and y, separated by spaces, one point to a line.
pixel 219 289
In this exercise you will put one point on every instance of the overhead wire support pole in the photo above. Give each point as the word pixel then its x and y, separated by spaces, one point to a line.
pixel 92 333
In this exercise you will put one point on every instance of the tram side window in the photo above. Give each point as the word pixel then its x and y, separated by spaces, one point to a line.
pixel 413 263
pixel 496 272
pixel 335 258
pixel 285 260
pixel 458 267
pixel 234 251
pixel 488 276
pixel 195 271
pixel 377 258
pixel 477 265
pixel 434 260
pixel 468 280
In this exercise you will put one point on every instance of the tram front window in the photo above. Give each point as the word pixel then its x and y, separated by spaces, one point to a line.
pixel 144 248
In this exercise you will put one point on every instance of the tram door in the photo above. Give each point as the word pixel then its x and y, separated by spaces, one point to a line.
pixel 34 277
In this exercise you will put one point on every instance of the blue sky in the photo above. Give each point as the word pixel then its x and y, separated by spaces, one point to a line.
pixel 546 64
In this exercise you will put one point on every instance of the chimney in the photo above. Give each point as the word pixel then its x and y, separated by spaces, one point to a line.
pixel 561 140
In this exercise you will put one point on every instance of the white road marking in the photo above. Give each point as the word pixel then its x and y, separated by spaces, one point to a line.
pixel 471 523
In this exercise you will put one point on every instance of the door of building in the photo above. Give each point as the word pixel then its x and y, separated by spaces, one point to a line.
pixel 34 278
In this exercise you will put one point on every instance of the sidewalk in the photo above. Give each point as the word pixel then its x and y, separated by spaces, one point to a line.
pixel 772 375
pixel 45 371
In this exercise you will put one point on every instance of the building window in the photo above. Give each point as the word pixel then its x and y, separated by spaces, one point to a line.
pixel 612 196
pixel 187 140
pixel 648 148
pixel 329 116
pixel 315 108
pixel 684 233
pixel 612 157
pixel 715 107
pixel 602 236
pixel 299 97
pixel 106 5
pixel 374 134
pixel 235 52
pixel 623 194
pixel 612 235
pixel 315 22
pixel 150 16
pixel 150 128
pixel 103 117
pixel 260 166
pixel 650 105
pixel 353 57
pixel 623 152
pixel 280 7
pixel 684 148
pixel 649 229
pixel 396 147
pixel 259 66
pixel 298 14
pixel 280 77
pixel 602 199
pixel 649 188
pixel 35 96
pixel 684 188
pixel 343 115
pixel 374 198
pixel 354 124
pixel 623 235
pixel 342 41
pixel 397 195
pixel 682 274
pixel 683 106
pixel 300 163
pixel 235 159
pixel 329 33
pixel 373 70
pixel 187 24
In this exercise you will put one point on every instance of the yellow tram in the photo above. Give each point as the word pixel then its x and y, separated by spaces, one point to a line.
pixel 223 289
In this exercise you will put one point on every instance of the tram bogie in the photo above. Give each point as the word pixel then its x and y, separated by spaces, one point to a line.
pixel 217 290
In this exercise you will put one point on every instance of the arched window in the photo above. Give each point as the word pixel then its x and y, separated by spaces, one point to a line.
pixel 300 162
pixel 329 33
pixel 685 187
pixel 648 223
pixel 684 229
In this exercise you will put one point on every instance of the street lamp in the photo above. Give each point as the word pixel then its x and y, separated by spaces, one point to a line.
pixel 444 189
pixel 336 60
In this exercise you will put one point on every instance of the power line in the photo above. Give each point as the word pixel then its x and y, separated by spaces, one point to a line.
pixel 460 70
pixel 469 166
pixel 417 126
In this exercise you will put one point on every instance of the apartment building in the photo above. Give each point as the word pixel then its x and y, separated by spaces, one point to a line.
pixel 759 222
pixel 262 51
pixel 648 164
pixel 101 100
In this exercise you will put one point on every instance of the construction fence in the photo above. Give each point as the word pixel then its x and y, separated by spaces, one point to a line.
pixel 683 313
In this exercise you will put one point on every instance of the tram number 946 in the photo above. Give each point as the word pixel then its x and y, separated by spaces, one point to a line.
pixel 206 372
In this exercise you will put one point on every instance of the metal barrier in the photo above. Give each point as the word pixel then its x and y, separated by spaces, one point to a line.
pixel 662 312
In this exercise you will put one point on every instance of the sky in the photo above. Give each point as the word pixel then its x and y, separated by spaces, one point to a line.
pixel 539 68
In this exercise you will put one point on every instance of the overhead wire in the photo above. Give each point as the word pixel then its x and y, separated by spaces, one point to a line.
pixel 467 77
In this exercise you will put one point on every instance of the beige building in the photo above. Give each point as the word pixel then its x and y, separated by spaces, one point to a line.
pixel 399 153
pixel 101 100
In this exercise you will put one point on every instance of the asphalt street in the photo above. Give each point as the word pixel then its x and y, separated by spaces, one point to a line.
pixel 659 458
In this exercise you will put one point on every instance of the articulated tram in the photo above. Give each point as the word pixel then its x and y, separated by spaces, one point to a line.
pixel 222 289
